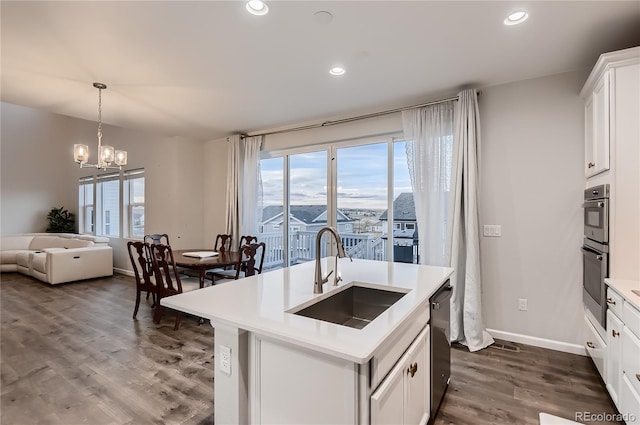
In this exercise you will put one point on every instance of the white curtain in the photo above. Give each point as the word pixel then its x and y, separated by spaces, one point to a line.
pixel 243 187
pixel 467 326
pixel 429 135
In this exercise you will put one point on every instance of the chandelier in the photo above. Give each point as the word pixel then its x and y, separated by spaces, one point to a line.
pixel 107 155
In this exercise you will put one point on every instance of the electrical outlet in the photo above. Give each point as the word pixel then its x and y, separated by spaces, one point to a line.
pixel 225 359
pixel 522 304
pixel 492 230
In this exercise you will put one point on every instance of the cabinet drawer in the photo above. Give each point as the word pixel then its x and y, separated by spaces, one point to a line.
pixel 631 318
pixel 631 357
pixel 614 302
pixel 596 347
pixel 629 402
pixel 384 359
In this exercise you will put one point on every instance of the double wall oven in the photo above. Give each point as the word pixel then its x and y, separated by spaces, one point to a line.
pixel 595 250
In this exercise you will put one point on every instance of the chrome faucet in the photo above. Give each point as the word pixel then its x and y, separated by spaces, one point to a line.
pixel 317 285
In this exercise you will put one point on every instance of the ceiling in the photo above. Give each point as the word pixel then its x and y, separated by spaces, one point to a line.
pixel 207 69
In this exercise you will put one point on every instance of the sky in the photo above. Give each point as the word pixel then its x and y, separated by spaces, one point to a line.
pixel 361 177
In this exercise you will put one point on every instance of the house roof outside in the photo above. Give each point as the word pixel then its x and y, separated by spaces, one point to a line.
pixel 308 214
pixel 403 208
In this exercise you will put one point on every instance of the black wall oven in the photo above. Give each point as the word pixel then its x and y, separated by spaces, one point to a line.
pixel 595 251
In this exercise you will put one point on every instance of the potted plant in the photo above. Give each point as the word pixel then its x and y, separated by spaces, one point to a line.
pixel 61 221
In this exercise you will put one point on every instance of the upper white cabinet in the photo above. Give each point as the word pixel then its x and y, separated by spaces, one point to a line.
pixel 596 131
pixel 601 111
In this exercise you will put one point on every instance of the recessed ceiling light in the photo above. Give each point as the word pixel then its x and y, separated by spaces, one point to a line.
pixel 516 18
pixel 257 7
pixel 337 70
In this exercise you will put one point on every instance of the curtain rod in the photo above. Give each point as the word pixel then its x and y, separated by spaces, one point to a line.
pixel 346 120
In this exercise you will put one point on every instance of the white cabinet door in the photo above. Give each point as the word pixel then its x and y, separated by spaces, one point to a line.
pixel 387 402
pixel 595 346
pixel 597 137
pixel 629 401
pixel 403 396
pixel 417 399
pixel 614 355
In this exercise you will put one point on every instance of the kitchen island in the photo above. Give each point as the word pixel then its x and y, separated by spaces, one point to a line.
pixel 275 366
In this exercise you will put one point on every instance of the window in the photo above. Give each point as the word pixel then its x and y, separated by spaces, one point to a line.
pixel 397 226
pixel 134 203
pixel 112 205
pixel 410 226
pixel 85 205
pixel 108 205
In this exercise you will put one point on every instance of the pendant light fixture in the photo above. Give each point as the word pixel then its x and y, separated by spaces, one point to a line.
pixel 107 155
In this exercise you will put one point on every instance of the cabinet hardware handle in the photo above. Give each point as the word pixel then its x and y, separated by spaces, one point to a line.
pixel 594 192
pixel 412 369
pixel 591 165
pixel 610 301
pixel 600 204
pixel 614 333
pixel 590 344
pixel 599 258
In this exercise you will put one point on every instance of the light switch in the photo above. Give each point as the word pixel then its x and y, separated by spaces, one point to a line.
pixel 492 230
pixel 225 359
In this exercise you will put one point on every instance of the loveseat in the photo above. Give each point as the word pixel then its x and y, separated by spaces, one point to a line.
pixel 56 257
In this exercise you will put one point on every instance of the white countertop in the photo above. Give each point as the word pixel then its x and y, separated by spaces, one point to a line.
pixel 259 304
pixel 624 287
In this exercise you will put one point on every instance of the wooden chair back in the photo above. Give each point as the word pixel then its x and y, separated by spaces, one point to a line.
pixel 247 240
pixel 138 254
pixel 165 270
pixel 156 238
pixel 223 243
pixel 253 257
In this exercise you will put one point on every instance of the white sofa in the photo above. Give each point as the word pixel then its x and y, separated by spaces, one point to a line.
pixel 56 257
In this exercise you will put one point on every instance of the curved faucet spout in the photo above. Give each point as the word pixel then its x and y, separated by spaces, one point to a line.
pixel 319 279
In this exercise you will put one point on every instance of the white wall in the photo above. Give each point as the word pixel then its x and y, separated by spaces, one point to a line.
pixel 532 181
pixel 38 173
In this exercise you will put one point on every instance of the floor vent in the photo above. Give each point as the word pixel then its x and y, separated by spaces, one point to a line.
pixel 507 347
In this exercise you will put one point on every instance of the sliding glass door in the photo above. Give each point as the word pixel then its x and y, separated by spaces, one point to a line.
pixel 361 188
pixel 295 183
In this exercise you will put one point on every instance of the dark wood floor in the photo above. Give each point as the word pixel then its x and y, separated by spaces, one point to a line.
pixel 71 354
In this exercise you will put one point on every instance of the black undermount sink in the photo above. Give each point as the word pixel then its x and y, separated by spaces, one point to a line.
pixel 355 307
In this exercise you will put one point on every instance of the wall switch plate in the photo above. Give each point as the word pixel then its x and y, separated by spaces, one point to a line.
pixel 225 359
pixel 522 304
pixel 492 230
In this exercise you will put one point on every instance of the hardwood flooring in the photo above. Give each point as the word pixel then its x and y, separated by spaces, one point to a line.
pixel 71 354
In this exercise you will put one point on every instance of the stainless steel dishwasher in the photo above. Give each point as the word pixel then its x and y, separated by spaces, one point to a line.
pixel 440 346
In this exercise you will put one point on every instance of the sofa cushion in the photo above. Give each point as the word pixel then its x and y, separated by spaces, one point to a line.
pixel 41 242
pixel 76 243
pixel 9 256
pixel 39 262
pixel 15 242
pixel 22 258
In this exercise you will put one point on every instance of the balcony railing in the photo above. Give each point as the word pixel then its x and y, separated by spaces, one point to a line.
pixel 302 247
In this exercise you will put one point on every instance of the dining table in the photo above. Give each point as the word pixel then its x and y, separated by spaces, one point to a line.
pixel 220 260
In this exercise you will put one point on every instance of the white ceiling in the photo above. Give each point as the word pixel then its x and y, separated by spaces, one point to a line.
pixel 206 69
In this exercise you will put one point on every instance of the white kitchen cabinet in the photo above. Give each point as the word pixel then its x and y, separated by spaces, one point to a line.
pixel 596 347
pixel 602 111
pixel 403 396
pixel 614 355
pixel 623 349
pixel 596 129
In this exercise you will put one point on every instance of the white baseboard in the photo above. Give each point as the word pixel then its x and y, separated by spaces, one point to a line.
pixel 539 342
pixel 124 272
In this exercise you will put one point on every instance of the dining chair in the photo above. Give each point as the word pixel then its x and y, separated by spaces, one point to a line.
pixel 249 263
pixel 223 243
pixel 154 239
pixel 247 240
pixel 168 280
pixel 144 282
